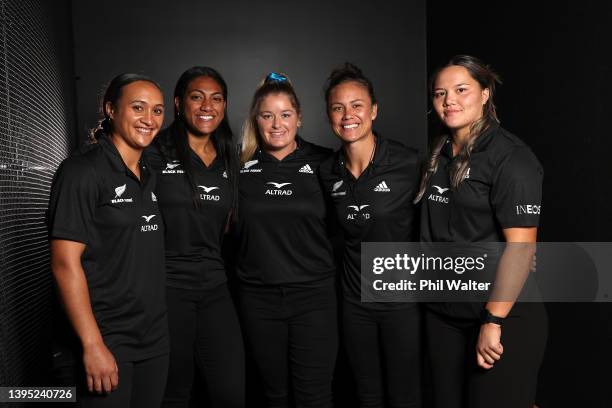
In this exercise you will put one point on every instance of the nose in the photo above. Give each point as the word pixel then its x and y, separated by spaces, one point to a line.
pixel 449 99
pixel 206 105
pixel 276 122
pixel 147 118
pixel 348 114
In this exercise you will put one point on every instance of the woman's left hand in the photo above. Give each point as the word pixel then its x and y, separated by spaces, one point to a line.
pixel 488 347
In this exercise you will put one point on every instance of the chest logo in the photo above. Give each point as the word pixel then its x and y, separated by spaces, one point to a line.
pixel 148 226
pixel 467 173
pixel 224 175
pixel 171 168
pixel 209 197
pixel 357 212
pixel 439 198
pixel 306 169
pixel 118 193
pixel 153 196
pixel 335 187
pixel 278 189
pixel 247 167
pixel 382 187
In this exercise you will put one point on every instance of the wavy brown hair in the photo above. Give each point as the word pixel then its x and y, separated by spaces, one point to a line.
pixel 487 79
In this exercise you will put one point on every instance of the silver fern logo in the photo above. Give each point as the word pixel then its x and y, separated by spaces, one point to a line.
pixel 119 191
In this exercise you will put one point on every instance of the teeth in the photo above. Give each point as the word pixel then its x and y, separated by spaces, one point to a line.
pixel 205 117
pixel 143 130
pixel 353 126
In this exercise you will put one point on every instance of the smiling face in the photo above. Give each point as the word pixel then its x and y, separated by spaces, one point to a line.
pixel 351 111
pixel 137 115
pixel 458 99
pixel 277 122
pixel 203 106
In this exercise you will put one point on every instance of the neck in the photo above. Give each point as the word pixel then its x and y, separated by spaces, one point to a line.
pixel 202 143
pixel 129 155
pixel 281 153
pixel 460 137
pixel 359 154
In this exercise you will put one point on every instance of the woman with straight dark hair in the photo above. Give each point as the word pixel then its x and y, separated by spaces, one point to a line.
pixel 107 251
pixel 285 261
pixel 372 181
pixel 482 184
pixel 196 161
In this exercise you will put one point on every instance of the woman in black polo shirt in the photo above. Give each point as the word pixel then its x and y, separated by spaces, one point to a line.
pixel 372 181
pixel 482 184
pixel 196 162
pixel 107 251
pixel 285 262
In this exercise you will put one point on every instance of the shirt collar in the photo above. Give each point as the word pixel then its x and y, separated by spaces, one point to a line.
pixel 481 143
pixel 115 158
pixel 381 156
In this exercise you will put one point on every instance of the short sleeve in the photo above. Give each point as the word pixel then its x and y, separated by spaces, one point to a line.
pixel 73 201
pixel 516 194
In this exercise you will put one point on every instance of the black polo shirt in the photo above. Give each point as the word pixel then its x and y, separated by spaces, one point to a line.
pixel 282 229
pixel 194 232
pixel 502 189
pixel 376 207
pixel 97 200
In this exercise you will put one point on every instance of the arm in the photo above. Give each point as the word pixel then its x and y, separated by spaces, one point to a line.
pixel 512 272
pixel 100 366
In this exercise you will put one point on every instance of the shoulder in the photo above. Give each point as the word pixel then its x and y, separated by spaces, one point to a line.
pixel 398 155
pixel 512 160
pixel 83 161
pixel 315 152
pixel 509 151
pixel 329 163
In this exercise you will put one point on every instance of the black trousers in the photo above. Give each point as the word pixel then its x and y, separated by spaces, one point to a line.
pixel 383 349
pixel 293 336
pixel 458 382
pixel 204 334
pixel 141 385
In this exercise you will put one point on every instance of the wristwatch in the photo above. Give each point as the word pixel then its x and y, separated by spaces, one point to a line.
pixel 487 317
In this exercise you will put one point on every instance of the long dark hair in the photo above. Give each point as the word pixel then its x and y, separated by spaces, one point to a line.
pixel 112 94
pixel 173 142
pixel 273 83
pixel 487 79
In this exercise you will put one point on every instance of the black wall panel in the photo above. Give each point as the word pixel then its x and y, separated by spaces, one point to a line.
pixel 246 39
pixel 36 133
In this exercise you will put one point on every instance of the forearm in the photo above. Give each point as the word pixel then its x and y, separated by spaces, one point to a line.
pixel 512 271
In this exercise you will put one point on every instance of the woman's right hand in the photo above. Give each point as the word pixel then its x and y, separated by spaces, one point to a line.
pixel 100 368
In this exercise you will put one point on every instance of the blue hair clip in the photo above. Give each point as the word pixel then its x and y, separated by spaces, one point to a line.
pixel 274 77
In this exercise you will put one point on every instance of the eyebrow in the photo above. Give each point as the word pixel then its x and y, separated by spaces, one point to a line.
pixel 202 92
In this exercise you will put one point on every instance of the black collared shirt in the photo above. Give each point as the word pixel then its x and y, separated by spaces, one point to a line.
pixel 282 230
pixel 376 207
pixel 194 223
pixel 502 189
pixel 97 200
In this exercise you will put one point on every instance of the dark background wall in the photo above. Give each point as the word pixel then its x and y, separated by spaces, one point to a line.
pixel 554 59
pixel 36 127
pixel 245 40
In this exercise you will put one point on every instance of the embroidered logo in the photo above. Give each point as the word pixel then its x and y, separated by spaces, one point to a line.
pixel 119 191
pixel 335 187
pixel 382 187
pixel 306 169
pixel 278 189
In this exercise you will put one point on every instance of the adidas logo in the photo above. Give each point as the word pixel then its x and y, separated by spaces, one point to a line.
pixel 306 169
pixel 382 187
